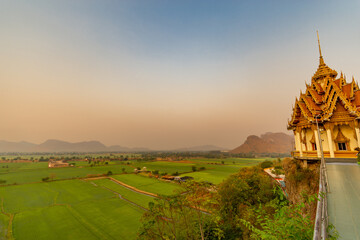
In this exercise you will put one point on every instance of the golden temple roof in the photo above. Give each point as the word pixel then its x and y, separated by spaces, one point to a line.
pixel 322 95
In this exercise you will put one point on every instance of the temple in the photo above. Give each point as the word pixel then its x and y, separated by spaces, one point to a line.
pixel 334 104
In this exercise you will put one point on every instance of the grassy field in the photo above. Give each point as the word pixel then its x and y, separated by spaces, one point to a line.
pixel 56 222
pixel 29 196
pixel 30 156
pixel 21 176
pixel 166 167
pixel 217 173
pixel 234 161
pixel 214 174
pixel 29 172
pixel 18 166
pixel 147 184
pixel 26 197
pixel 4 222
pixel 71 209
pixel 115 217
pixel 91 209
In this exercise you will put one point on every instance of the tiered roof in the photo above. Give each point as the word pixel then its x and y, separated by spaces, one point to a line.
pixel 323 96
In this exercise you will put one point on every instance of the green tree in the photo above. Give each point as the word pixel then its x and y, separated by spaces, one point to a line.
pixel 288 222
pixel 240 195
pixel 179 216
pixel 266 164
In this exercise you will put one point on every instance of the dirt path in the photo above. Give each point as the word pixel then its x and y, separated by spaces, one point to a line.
pixel 125 185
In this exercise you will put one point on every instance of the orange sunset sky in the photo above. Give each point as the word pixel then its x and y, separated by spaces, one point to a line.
pixel 164 74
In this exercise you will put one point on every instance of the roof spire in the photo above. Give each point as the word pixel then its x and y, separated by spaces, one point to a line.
pixel 321 57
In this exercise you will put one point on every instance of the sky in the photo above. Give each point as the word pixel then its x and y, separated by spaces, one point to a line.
pixel 164 74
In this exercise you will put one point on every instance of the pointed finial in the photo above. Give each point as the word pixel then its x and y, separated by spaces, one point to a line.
pixel 321 57
pixel 341 75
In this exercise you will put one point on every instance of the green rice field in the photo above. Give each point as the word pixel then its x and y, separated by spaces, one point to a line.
pixel 147 184
pixel 4 222
pixel 132 196
pixel 72 207
pixel 21 176
pixel 214 173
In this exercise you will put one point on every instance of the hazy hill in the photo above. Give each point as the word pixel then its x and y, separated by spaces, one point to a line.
pixel 53 145
pixel 6 146
pixel 266 143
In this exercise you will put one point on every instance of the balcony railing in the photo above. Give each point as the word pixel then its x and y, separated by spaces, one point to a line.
pixel 313 154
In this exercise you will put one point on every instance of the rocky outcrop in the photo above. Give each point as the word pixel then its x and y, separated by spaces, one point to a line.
pixel 266 143
pixel 302 184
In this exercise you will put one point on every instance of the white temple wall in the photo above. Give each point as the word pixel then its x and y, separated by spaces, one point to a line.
pixel 350 134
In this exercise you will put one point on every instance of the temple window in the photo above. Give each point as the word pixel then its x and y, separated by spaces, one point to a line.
pixel 341 141
pixel 342 146
pixel 314 147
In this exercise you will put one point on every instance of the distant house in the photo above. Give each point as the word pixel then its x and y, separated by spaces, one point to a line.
pixel 58 164
pixel 183 179
pixel 144 169
pixel 167 177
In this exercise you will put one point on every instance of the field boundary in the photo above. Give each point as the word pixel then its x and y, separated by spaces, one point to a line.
pixel 133 188
pixel 125 185
pixel 9 234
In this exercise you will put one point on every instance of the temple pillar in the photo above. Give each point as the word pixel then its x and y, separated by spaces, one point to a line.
pixel 357 136
pixel 303 145
pixel 298 143
pixel 331 145
pixel 317 143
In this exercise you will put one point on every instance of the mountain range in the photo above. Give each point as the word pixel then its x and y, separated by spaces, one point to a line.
pixel 53 145
pixel 266 143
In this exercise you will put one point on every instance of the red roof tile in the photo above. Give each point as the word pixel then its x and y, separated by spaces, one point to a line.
pixel 347 90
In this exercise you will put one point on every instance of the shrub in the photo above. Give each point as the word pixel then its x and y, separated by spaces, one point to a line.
pixel 45 179
pixel 266 164
pixel 193 168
